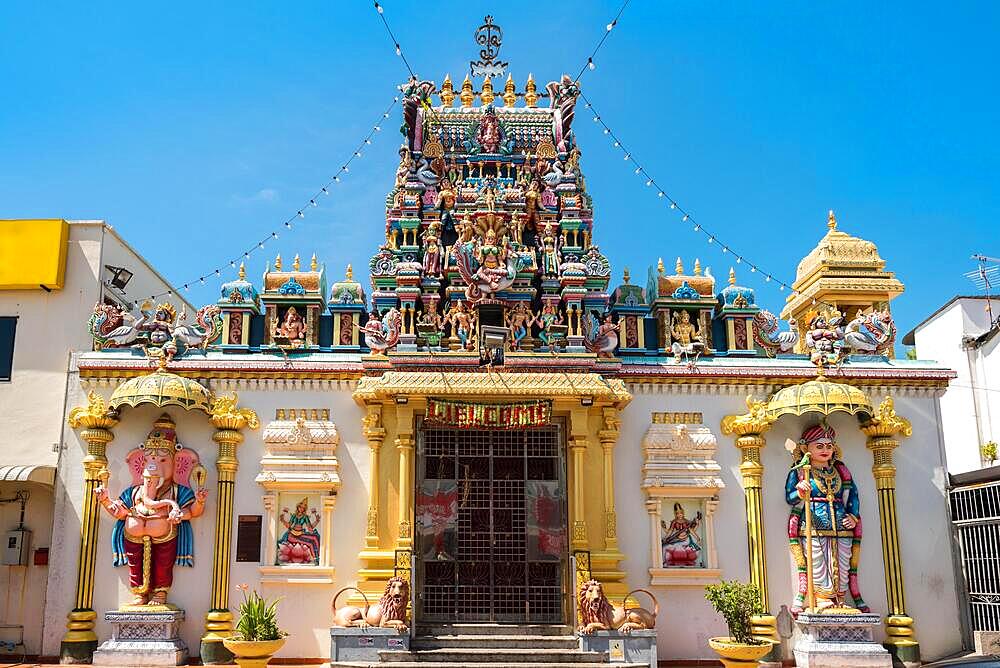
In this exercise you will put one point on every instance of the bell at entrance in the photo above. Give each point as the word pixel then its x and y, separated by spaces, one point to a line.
pixel 491 526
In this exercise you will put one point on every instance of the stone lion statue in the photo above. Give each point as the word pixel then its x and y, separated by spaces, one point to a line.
pixel 597 613
pixel 389 612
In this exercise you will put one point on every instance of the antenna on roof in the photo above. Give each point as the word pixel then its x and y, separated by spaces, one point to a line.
pixel 984 277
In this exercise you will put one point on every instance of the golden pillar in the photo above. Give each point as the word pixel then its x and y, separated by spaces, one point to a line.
pixel 749 430
pixel 881 429
pixel 375 433
pixel 228 421
pixel 609 437
pixel 80 641
pixel 577 448
pixel 404 446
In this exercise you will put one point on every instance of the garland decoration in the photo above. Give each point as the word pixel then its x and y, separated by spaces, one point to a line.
pixel 519 415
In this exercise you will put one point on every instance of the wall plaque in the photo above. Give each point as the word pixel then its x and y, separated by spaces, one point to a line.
pixel 248 533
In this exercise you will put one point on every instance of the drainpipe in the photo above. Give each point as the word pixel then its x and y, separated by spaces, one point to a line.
pixel 969 345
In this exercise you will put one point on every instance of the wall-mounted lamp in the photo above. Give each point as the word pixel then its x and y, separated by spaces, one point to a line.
pixel 120 276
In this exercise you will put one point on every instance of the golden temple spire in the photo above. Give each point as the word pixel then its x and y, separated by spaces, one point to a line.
pixel 467 96
pixel 679 267
pixel 295 263
pixel 659 267
pixel 243 271
pixel 487 95
pixel 732 276
pixel 509 96
pixel 277 263
pixel 313 264
pixel 697 267
pixel 447 93
pixel 831 220
pixel 530 94
pixel 626 276
pixel 349 274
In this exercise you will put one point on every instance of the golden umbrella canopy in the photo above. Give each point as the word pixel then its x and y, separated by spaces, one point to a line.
pixel 162 388
pixel 819 396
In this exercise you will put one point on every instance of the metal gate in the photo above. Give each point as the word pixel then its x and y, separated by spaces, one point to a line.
pixel 491 525
pixel 975 512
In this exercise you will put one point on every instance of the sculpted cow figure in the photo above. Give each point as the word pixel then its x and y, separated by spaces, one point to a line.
pixel 389 612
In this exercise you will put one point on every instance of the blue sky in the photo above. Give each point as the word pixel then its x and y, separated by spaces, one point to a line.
pixel 196 128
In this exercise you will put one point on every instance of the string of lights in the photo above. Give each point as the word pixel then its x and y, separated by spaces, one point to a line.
pixel 287 225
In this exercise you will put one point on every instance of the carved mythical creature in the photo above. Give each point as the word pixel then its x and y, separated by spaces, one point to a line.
pixel 416 95
pixel 389 612
pixel 382 333
pixel 767 336
pixel 824 338
pixel 872 333
pixel 158 328
pixel 107 319
pixel 153 532
pixel 597 613
pixel 600 337
pixel 562 98
pixel 486 267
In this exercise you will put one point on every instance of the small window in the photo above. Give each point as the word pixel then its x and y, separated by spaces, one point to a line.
pixel 7 326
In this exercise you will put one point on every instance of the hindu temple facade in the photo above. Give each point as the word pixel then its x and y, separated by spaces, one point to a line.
pixel 494 419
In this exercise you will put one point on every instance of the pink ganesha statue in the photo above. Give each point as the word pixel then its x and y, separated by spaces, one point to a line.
pixel 153 531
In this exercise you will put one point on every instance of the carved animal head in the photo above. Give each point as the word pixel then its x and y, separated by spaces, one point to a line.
pixel 395 599
pixel 593 604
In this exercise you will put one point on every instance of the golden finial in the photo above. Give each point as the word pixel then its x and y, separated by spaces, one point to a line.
pixel 295 263
pixel 349 273
pixel 447 93
pixel 831 220
pixel 277 263
pixel 732 276
pixel 530 94
pixel 487 95
pixel 243 271
pixel 697 267
pixel 626 276
pixel 679 267
pixel 313 264
pixel 659 267
pixel 509 96
pixel 467 96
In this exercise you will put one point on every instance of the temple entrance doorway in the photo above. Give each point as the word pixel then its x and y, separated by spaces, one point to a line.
pixel 491 526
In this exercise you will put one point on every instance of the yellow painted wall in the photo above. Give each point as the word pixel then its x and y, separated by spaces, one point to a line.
pixel 33 254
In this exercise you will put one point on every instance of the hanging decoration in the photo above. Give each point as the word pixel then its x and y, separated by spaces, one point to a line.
pixel 518 415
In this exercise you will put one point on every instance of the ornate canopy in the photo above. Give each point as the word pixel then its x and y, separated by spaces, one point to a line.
pixel 162 388
pixel 819 396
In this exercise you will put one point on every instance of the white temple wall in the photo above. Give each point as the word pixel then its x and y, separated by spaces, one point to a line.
pixel 931 589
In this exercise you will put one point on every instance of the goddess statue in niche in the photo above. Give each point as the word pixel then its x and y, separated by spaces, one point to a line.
pixel 300 542
pixel 292 326
pixel 681 542
pixel 833 545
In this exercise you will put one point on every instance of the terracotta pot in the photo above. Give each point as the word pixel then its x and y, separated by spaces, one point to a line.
pixel 253 653
pixel 738 655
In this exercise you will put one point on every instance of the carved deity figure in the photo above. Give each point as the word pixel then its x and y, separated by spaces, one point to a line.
pixel 548 317
pixel 687 338
pixel 300 542
pixel 405 165
pixel 432 250
pixel 431 319
pixel 833 545
pixel 488 134
pixel 548 243
pixel 517 221
pixel 445 203
pixel 490 195
pixel 292 327
pixel 153 531
pixel 533 201
pixel 681 542
pixel 824 339
pixel 463 324
pixel 492 257
pixel 519 322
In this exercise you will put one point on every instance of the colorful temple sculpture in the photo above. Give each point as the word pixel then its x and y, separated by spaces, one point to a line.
pixel 490 421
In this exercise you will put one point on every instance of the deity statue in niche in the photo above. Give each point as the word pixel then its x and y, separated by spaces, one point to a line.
pixel 300 542
pixel 463 324
pixel 548 244
pixel 292 327
pixel 548 317
pixel 519 322
pixel 832 542
pixel 153 531
pixel 492 256
pixel 681 542
pixel 445 203
pixel 687 338
pixel 488 134
pixel 432 250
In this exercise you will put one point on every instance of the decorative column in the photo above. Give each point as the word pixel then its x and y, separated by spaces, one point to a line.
pixel 880 430
pixel 577 447
pixel 404 444
pixel 749 430
pixel 375 433
pixel 228 421
pixel 608 437
pixel 80 641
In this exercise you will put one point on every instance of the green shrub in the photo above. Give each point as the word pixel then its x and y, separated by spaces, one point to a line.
pixel 737 603
pixel 258 617
pixel 989 451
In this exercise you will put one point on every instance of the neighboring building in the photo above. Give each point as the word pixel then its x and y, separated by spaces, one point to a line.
pixel 962 335
pixel 476 454
pixel 52 272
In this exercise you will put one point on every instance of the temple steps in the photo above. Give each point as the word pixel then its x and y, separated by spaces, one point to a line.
pixel 480 655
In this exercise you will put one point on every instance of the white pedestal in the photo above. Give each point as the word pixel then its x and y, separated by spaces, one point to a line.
pixel 143 639
pixel 835 640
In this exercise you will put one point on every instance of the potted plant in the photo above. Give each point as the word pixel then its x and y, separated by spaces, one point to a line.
pixel 989 450
pixel 737 603
pixel 257 635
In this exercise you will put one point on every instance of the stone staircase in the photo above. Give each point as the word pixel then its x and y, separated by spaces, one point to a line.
pixel 493 646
